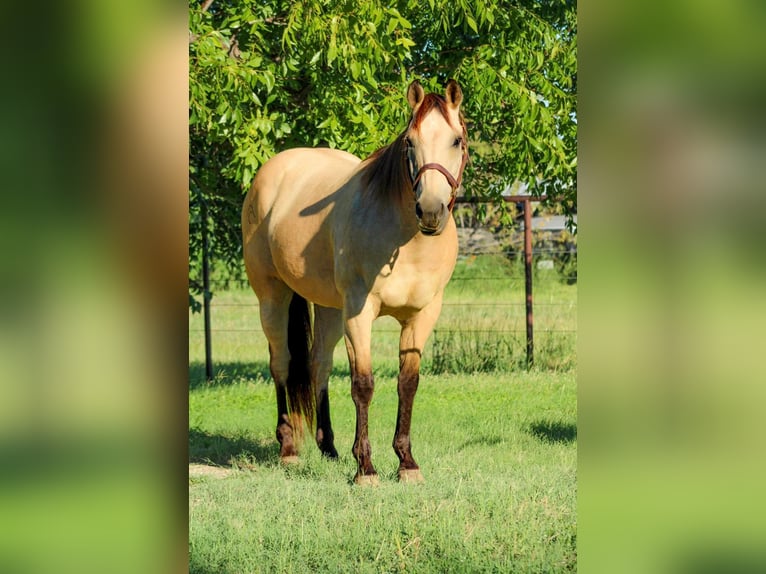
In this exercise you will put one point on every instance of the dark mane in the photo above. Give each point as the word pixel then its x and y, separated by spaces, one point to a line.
pixel 385 171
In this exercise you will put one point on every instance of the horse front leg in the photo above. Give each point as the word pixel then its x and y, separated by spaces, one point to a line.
pixel 415 332
pixel 409 376
pixel 358 329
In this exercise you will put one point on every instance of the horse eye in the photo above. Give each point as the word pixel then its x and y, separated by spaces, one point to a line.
pixel 458 142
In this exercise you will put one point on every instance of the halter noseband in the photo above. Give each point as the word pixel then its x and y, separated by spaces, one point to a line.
pixel 453 181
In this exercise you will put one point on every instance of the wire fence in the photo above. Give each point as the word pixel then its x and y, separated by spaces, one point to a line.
pixel 484 325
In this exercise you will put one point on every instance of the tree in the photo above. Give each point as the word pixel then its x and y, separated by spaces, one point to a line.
pixel 270 75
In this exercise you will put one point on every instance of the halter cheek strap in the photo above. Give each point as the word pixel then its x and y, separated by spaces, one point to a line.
pixel 454 183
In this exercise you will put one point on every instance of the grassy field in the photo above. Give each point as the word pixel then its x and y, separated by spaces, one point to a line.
pixel 497 448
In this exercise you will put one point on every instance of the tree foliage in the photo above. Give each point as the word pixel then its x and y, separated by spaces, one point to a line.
pixel 269 75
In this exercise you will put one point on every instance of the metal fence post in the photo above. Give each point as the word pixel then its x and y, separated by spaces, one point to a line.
pixel 527 200
pixel 206 293
pixel 528 280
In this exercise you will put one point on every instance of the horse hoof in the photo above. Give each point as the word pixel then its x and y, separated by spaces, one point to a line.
pixel 289 460
pixel 366 480
pixel 411 475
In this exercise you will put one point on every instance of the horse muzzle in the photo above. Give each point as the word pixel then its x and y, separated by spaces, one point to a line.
pixel 433 213
pixel 431 221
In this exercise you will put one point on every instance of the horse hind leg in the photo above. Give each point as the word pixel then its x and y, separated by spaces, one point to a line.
pixel 328 329
pixel 282 321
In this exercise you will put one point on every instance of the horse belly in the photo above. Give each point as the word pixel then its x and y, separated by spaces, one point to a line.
pixel 321 291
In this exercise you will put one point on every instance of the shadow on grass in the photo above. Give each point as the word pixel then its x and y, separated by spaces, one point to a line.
pixel 227 373
pixel 234 372
pixel 551 432
pixel 222 450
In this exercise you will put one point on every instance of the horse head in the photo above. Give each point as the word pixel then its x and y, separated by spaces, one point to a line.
pixel 437 152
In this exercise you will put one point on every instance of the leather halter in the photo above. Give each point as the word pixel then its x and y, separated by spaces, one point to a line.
pixel 454 182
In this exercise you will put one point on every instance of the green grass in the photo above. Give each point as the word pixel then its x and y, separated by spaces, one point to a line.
pixel 497 447
pixel 498 454
pixel 483 322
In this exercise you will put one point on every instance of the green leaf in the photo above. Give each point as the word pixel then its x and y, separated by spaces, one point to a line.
pixel 356 69
pixel 370 77
pixel 472 23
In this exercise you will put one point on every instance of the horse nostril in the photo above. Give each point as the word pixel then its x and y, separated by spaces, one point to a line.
pixel 418 210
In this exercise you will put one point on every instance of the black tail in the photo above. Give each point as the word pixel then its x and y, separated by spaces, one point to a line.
pixel 300 394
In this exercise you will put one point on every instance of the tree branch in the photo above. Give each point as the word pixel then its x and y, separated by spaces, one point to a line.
pixel 206 5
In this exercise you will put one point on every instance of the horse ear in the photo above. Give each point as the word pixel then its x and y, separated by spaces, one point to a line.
pixel 415 94
pixel 453 94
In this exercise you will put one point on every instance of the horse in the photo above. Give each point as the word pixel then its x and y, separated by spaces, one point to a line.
pixel 358 240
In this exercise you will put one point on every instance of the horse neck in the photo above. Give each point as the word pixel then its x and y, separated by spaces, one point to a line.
pixel 386 184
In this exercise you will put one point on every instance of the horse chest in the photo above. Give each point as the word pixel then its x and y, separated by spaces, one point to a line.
pixel 406 288
pixel 415 274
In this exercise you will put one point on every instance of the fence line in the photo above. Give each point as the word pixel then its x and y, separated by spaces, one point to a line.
pixel 244 282
pixel 528 253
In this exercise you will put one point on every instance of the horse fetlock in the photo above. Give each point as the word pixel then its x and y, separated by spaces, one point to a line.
pixel 402 445
pixel 286 442
pixel 284 432
pixel 363 455
pixel 326 444
pixel 362 450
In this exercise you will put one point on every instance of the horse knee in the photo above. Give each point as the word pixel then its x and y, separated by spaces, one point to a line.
pixel 362 388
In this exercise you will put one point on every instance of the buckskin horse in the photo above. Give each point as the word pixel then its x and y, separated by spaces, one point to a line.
pixel 357 239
